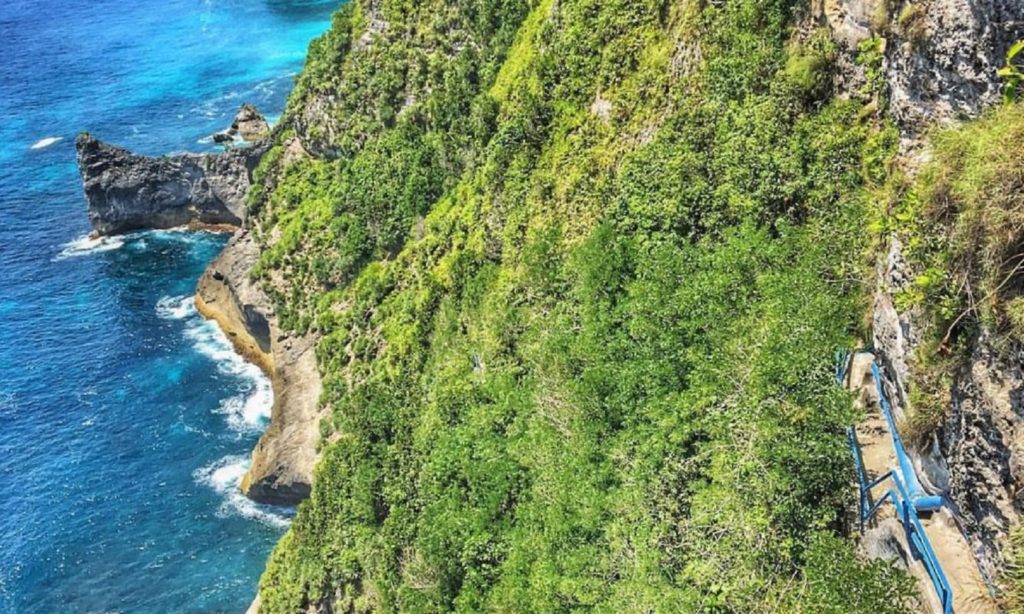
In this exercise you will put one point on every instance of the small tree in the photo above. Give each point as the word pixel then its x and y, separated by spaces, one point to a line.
pixel 1013 72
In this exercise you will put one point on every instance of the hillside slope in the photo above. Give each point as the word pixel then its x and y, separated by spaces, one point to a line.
pixel 577 269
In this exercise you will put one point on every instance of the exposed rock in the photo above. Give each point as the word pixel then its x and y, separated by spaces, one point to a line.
pixel 941 56
pixel 977 459
pixel 850 20
pixel 127 192
pixel 894 334
pixel 224 137
pixel 886 541
pixel 250 124
pixel 944 67
pixel 601 107
pixel 983 441
pixel 282 462
pixel 294 151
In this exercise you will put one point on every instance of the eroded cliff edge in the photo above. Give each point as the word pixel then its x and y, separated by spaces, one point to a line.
pixel 127 192
pixel 282 463
pixel 938 62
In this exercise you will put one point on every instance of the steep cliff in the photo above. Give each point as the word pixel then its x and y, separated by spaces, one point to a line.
pixel 946 320
pixel 578 268
pixel 125 191
pixel 282 462
pixel 573 270
pixel 935 64
pixel 128 192
pixel 939 58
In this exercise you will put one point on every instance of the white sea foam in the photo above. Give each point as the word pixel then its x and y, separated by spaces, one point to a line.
pixel 44 143
pixel 249 409
pixel 85 245
pixel 224 477
pixel 175 307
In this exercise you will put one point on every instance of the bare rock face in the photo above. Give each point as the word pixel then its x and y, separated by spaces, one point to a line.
pixel 249 125
pixel 127 192
pixel 983 440
pixel 944 65
pixel 977 459
pixel 281 472
pixel 940 56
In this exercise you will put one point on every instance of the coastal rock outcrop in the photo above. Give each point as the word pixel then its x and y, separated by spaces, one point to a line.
pixel 126 191
pixel 248 125
pixel 281 472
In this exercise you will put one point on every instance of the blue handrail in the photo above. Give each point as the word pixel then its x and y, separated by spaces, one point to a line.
pixel 922 501
pixel 907 500
pixel 920 546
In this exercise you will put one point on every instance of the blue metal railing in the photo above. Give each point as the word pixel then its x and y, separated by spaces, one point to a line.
pixel 923 501
pixel 908 501
pixel 907 514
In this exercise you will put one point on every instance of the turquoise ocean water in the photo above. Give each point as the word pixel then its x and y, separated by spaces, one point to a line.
pixel 125 419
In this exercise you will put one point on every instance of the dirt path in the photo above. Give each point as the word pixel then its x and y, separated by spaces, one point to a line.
pixel 970 594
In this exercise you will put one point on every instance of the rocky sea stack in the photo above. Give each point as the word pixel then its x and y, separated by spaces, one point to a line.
pixel 126 191
pixel 249 125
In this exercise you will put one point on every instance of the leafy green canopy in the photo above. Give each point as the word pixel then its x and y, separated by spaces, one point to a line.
pixel 576 310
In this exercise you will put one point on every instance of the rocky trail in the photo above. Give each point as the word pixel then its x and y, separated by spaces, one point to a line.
pixel 884 534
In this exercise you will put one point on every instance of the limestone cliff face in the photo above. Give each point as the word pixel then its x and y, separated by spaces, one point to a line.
pixel 977 457
pixel 940 56
pixel 128 192
pixel 282 464
pixel 939 65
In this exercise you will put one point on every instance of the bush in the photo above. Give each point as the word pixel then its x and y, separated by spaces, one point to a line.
pixel 577 362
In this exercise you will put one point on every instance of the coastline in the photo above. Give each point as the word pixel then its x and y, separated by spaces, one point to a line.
pixel 281 469
pixel 125 192
pixel 208 192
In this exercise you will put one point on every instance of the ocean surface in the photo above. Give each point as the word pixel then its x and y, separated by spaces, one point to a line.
pixel 125 419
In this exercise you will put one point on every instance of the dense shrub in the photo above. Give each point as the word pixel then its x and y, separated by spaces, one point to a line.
pixel 577 302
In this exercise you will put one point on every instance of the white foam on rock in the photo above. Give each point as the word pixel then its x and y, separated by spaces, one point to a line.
pixel 224 476
pixel 175 307
pixel 249 409
pixel 86 244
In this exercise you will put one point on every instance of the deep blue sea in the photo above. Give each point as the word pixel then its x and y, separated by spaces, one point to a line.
pixel 125 419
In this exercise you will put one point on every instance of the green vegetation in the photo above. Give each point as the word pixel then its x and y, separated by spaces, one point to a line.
pixel 579 267
pixel 1013 73
pixel 962 224
pixel 1013 578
